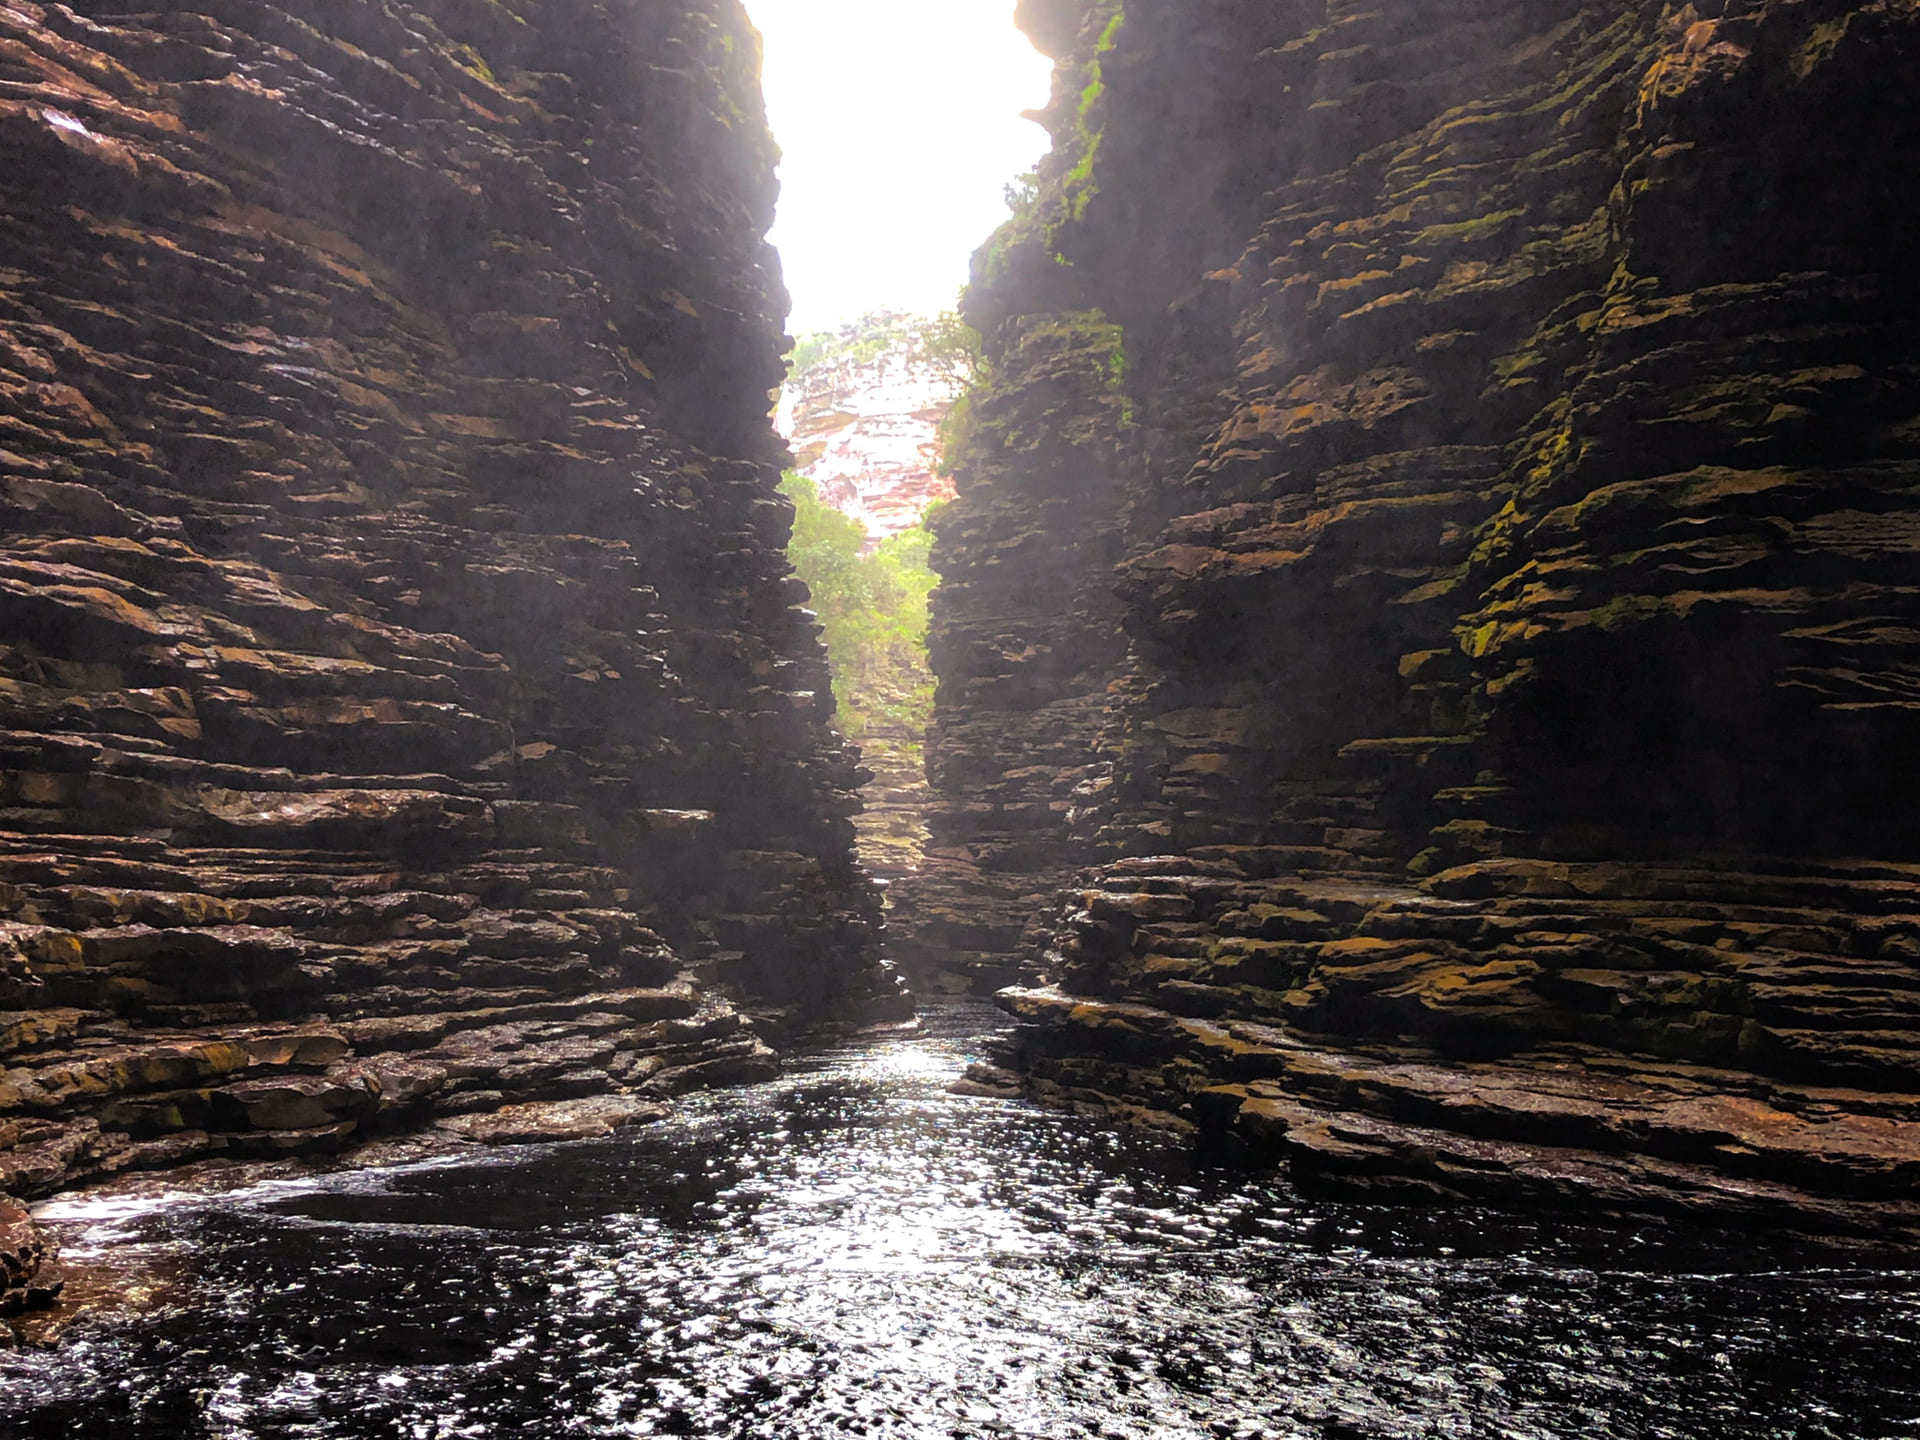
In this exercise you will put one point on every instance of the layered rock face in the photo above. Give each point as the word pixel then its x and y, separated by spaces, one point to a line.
pixel 891 828
pixel 406 709
pixel 865 429
pixel 1025 639
pixel 1505 471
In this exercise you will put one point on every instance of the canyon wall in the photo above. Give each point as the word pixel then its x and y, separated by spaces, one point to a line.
pixel 407 712
pixel 1430 600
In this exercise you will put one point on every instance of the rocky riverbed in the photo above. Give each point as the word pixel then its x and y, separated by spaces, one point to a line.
pixel 854 1249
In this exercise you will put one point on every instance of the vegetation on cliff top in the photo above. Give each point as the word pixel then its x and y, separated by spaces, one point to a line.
pixel 1056 192
pixel 943 343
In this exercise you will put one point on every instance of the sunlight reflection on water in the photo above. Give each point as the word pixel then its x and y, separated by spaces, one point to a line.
pixel 854 1251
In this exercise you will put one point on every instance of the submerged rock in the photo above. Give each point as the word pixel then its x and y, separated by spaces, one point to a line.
pixel 544 1120
pixel 27 1280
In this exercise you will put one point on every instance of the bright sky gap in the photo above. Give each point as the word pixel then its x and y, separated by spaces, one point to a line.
pixel 899 125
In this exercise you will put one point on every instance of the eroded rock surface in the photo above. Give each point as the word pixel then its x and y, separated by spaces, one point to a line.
pixel 405 706
pixel 1025 640
pixel 1496 434
pixel 865 428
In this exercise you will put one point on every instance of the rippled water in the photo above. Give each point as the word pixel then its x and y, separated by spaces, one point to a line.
pixel 853 1251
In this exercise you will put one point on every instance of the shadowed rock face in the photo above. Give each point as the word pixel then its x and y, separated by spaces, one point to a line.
pixel 1504 471
pixel 405 709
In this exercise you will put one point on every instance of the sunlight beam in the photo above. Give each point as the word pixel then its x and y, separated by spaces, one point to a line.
pixel 899 123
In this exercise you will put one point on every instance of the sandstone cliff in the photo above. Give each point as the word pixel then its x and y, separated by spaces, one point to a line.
pixel 1494 428
pixel 406 709
pixel 864 421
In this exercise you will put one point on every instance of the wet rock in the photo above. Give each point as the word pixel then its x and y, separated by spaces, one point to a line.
pixel 28 1281
pixel 403 699
pixel 304 1101
pixel 1011 752
pixel 539 1121
pixel 1504 510
pixel 989 1082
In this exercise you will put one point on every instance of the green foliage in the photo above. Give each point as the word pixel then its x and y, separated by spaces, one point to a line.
pixel 1022 194
pixel 949 346
pixel 956 428
pixel 990 260
pixel 1055 193
pixel 1024 204
pixel 1096 82
pixel 808 351
pixel 945 342
pixel 872 610
pixel 1115 365
pixel 734 63
pixel 872 606
pixel 1095 89
pixel 1079 185
pixel 474 63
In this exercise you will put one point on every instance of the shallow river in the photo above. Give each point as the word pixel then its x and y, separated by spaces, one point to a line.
pixel 853 1251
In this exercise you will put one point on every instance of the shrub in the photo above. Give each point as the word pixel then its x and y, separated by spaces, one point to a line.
pixel 872 610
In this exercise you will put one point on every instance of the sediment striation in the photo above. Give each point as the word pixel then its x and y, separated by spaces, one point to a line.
pixel 865 427
pixel 1024 638
pixel 1497 432
pixel 406 708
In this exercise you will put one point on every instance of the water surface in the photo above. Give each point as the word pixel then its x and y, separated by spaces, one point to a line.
pixel 853 1251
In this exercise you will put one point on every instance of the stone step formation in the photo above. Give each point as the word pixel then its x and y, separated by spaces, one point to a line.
pixel 1427 640
pixel 406 711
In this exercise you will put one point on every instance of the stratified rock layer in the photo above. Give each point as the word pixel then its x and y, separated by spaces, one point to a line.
pixel 865 428
pixel 405 709
pixel 1512 437
pixel 1024 639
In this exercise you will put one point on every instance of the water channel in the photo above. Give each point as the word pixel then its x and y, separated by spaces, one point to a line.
pixel 852 1250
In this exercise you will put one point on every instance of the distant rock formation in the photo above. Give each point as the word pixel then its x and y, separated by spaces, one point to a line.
pixel 864 422
pixel 405 710
pixel 1429 605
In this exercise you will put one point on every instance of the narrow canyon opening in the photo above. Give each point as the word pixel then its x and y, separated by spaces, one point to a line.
pixel 866 410
pixel 1154 719
pixel 889 182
